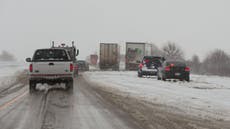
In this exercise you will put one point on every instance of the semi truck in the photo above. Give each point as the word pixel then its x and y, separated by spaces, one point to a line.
pixel 135 51
pixel 109 56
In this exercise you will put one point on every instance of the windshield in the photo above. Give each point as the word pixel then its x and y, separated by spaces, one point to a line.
pixel 50 55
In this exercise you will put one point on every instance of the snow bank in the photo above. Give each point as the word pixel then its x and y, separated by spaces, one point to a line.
pixel 205 96
pixel 9 71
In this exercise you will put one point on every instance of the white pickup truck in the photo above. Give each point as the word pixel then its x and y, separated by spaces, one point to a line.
pixel 51 66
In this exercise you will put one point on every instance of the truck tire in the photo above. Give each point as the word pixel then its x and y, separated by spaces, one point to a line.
pixel 163 78
pixel 140 74
pixel 32 86
pixel 187 78
pixel 69 85
pixel 115 68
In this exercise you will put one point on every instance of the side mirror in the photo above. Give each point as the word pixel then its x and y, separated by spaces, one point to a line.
pixel 77 53
pixel 28 60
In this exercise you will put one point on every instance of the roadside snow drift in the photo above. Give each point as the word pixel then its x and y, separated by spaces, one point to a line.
pixel 205 96
pixel 9 72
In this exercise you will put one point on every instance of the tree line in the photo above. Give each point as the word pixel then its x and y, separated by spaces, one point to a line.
pixel 217 62
pixel 6 56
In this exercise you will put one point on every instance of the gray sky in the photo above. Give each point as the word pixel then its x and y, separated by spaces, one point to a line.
pixel 198 26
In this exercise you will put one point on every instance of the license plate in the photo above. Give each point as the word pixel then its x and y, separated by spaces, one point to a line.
pixel 177 74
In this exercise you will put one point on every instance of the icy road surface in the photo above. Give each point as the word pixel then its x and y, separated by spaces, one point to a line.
pixel 206 97
pixel 56 108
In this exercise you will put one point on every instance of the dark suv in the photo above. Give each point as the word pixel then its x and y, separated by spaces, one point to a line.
pixel 149 65
pixel 82 65
pixel 174 70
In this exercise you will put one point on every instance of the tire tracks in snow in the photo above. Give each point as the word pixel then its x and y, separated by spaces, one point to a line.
pixel 155 116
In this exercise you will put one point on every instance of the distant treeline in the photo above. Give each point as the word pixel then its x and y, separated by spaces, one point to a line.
pixel 6 56
pixel 217 62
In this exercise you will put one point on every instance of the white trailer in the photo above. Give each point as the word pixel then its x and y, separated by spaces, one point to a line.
pixel 135 51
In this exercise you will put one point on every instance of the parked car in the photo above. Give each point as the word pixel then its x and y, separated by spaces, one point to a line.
pixel 82 65
pixel 51 66
pixel 174 70
pixel 149 65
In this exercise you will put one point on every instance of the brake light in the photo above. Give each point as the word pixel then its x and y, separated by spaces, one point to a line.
pixel 187 69
pixel 31 68
pixel 167 68
pixel 146 61
pixel 171 65
pixel 71 67
pixel 141 66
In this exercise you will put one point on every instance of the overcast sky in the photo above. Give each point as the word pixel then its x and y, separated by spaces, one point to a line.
pixel 198 26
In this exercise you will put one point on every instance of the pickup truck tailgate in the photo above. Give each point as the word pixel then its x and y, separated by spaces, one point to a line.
pixel 51 68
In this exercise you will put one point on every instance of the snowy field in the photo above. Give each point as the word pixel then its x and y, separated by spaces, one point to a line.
pixel 8 72
pixel 205 96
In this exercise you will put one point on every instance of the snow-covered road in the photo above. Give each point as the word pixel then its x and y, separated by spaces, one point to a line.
pixel 205 96
pixel 56 108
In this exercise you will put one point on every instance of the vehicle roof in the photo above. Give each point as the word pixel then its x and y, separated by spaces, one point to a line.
pixel 154 56
pixel 51 49
pixel 81 61
pixel 175 61
pixel 179 61
pixel 136 43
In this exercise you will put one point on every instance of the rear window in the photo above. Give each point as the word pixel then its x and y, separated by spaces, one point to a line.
pixel 180 64
pixel 155 60
pixel 81 62
pixel 51 55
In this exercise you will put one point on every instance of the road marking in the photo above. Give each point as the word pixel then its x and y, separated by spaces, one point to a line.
pixel 7 104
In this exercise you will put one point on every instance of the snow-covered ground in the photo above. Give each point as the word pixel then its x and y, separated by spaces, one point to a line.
pixel 9 70
pixel 205 96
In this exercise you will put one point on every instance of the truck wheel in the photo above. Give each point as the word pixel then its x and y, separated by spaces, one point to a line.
pixel 140 74
pixel 69 85
pixel 32 85
pixel 187 79
pixel 116 68
pixel 163 78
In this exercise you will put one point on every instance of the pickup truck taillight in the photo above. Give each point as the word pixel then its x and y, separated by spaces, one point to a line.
pixel 31 68
pixel 71 67
pixel 187 69
pixel 140 65
pixel 167 68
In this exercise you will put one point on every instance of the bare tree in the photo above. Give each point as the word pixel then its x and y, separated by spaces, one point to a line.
pixel 195 64
pixel 172 51
pixel 6 56
pixel 155 51
pixel 217 63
